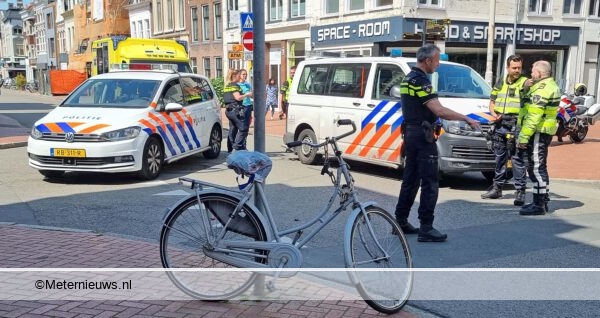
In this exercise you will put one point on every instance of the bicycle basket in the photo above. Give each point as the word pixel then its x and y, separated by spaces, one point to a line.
pixel 249 163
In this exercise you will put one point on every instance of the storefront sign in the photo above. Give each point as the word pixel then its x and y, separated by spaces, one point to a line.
pixel 477 32
pixel 368 31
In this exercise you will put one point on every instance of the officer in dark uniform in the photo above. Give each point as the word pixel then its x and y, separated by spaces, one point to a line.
pixel 505 107
pixel 235 111
pixel 421 109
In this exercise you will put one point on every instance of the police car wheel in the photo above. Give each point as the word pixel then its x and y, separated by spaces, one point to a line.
pixel 307 154
pixel 152 159
pixel 214 143
pixel 51 174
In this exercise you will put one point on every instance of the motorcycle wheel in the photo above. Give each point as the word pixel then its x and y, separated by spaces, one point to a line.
pixel 578 135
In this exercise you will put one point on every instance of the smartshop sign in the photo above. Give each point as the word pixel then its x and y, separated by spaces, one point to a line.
pixel 392 30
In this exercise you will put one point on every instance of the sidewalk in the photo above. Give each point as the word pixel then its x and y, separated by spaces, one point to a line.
pixel 29 247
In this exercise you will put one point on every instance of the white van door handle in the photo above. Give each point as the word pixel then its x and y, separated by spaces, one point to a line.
pixel 371 105
pixel 356 104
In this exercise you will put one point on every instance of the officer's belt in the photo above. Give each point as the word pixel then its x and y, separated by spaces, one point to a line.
pixel 233 106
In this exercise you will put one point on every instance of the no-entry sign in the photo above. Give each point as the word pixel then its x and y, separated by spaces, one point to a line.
pixel 247 40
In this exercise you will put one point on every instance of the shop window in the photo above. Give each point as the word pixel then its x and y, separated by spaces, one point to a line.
pixel 430 3
pixel 594 10
pixel 572 7
pixel 275 10
pixel 539 7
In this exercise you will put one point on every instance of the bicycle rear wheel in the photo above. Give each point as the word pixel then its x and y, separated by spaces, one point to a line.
pixel 384 288
pixel 183 240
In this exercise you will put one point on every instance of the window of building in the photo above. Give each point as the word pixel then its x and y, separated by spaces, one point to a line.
pixel 233 16
pixel 430 3
pixel 297 8
pixel 205 23
pixel 219 66
pixel 139 29
pixel 49 20
pixel 218 21
pixel 180 15
pixel 52 46
pixel 169 14
pixel 594 10
pixel 541 7
pixel 159 16
pixel 354 5
pixel 572 7
pixel 133 34
pixel 332 6
pixel 383 3
pixel 206 62
pixel 194 65
pixel 194 16
pixel 275 10
pixel 147 28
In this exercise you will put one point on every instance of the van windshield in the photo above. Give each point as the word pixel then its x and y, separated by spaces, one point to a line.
pixel 114 93
pixel 459 81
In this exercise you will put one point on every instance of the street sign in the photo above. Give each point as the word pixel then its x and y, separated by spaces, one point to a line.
pixel 247 19
pixel 247 40
pixel 248 56
pixel 235 55
pixel 436 29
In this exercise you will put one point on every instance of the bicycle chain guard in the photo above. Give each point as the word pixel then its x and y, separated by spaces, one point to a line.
pixel 288 253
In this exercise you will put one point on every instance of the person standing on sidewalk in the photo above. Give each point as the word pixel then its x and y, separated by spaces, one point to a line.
pixel 538 126
pixel 285 93
pixel 271 102
pixel 505 107
pixel 421 109
pixel 247 102
pixel 235 112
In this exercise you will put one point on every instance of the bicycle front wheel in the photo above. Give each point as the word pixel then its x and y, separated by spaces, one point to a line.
pixel 184 239
pixel 376 242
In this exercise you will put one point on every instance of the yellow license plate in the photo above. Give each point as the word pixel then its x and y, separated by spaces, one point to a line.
pixel 509 164
pixel 72 153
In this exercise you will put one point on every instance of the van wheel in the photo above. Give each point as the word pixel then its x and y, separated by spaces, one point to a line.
pixel 152 159
pixel 214 143
pixel 52 174
pixel 306 154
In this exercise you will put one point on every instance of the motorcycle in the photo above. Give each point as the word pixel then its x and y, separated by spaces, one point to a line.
pixel 575 114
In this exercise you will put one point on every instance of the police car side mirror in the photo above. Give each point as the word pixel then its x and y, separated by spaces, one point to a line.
pixel 395 91
pixel 173 107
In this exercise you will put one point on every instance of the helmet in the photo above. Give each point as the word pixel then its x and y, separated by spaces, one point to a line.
pixel 580 89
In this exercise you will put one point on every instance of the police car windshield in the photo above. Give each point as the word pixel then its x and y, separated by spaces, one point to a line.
pixel 113 93
pixel 458 81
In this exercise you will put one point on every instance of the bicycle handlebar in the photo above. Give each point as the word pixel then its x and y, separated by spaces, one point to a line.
pixel 339 122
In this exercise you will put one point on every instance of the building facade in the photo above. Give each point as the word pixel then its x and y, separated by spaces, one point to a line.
pixel 204 18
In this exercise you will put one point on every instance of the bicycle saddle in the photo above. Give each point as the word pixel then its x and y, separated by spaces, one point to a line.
pixel 250 163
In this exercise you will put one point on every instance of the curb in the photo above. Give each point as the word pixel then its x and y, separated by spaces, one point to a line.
pixel 13 144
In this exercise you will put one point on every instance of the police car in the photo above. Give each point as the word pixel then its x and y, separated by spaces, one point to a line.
pixel 135 118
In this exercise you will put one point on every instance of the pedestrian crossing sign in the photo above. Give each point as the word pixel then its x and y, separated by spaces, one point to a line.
pixel 247 21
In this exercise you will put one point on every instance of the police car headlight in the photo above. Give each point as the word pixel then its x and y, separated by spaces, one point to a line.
pixel 121 134
pixel 35 133
pixel 459 127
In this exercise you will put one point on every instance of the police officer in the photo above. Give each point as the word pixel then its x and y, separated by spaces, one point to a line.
pixel 235 112
pixel 505 106
pixel 285 93
pixel 421 109
pixel 538 125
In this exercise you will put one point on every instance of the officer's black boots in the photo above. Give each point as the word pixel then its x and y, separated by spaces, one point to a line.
pixel 494 192
pixel 428 234
pixel 519 198
pixel 539 206
pixel 406 227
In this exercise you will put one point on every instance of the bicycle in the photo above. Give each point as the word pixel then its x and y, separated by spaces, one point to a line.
pixel 219 227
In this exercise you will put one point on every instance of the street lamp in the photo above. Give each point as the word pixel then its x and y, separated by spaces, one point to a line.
pixel 490 43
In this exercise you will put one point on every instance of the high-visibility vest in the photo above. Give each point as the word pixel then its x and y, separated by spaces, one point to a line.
pixel 507 96
pixel 541 107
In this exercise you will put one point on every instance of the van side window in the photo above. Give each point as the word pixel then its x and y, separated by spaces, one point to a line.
pixel 386 76
pixel 348 80
pixel 313 80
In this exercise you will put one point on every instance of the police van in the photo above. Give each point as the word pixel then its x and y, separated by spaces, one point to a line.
pixel 366 90
pixel 128 121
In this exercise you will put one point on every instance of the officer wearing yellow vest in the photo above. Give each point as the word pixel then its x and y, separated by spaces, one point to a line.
pixel 538 125
pixel 285 93
pixel 505 107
